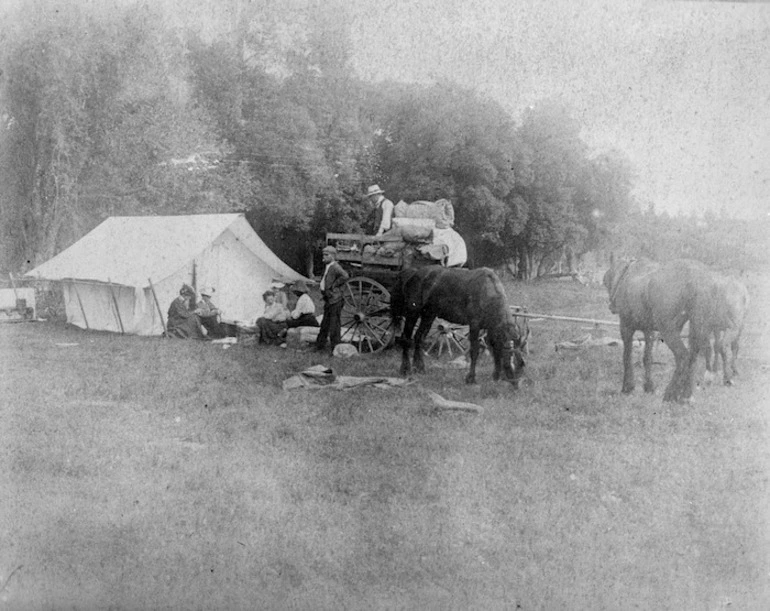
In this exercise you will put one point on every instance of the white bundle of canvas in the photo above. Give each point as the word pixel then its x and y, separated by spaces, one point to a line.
pixel 402 221
pixel 457 252
pixel 440 211
pixel 410 233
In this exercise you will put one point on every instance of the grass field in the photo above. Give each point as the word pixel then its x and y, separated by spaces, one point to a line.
pixel 142 473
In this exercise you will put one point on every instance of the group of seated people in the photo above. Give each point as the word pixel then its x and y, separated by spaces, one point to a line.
pixel 202 320
pixel 190 320
pixel 277 318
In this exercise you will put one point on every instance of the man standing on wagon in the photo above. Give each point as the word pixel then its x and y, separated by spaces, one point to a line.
pixel 333 280
pixel 383 210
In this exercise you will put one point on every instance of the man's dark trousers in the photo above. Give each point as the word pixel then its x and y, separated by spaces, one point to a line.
pixel 330 325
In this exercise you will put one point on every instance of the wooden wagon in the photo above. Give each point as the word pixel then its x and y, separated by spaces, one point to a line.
pixel 373 268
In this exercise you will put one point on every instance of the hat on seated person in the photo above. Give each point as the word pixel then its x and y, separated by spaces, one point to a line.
pixel 187 291
pixel 207 291
pixel 374 190
pixel 299 287
pixel 329 249
pixel 277 284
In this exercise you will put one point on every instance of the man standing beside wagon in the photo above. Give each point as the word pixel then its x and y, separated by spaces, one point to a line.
pixel 334 278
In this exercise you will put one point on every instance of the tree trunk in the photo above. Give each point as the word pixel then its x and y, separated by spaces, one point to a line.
pixel 523 268
pixel 309 263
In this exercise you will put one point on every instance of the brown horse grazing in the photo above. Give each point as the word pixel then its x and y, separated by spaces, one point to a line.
pixel 467 297
pixel 720 313
pixel 649 297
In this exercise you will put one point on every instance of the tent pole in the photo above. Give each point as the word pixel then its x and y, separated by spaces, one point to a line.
pixel 82 309
pixel 157 305
pixel 13 284
pixel 117 310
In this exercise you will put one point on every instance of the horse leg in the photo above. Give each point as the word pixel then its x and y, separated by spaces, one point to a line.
pixel 406 344
pixel 649 344
pixel 496 356
pixel 720 349
pixel 627 335
pixel 422 331
pixel 711 356
pixel 473 336
pixel 680 386
pixel 734 345
pixel 700 340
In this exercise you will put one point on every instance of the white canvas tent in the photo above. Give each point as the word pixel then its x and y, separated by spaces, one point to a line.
pixel 126 272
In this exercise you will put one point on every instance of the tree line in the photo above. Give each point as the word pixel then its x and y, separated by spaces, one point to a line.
pixel 129 113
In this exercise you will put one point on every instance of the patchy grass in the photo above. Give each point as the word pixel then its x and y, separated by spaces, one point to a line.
pixel 143 473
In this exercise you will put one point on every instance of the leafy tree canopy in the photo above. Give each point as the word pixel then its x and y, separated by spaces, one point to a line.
pixel 141 111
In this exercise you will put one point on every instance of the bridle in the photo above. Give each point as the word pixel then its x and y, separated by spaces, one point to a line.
pixel 509 345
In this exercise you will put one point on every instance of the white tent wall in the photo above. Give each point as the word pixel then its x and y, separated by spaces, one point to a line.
pixel 91 305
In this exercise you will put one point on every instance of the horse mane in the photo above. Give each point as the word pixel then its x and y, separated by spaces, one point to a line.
pixel 617 281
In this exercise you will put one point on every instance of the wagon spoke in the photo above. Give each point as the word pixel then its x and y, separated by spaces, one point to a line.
pixel 453 343
pixel 381 324
pixel 348 296
pixel 449 338
pixel 371 334
pixel 365 314
pixel 433 343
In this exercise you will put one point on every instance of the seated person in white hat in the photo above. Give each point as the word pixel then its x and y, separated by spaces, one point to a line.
pixel 303 314
pixel 279 289
pixel 383 210
pixel 210 315
pixel 273 320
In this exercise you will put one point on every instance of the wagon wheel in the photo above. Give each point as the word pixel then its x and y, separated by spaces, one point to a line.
pixel 449 338
pixel 365 318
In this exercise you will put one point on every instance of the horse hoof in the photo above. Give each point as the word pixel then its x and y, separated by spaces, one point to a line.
pixel 627 391
pixel 649 387
pixel 470 380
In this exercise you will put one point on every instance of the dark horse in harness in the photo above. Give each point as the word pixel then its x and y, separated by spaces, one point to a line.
pixel 650 297
pixel 467 297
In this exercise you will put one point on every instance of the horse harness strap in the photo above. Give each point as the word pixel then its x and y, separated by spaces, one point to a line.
pixel 614 292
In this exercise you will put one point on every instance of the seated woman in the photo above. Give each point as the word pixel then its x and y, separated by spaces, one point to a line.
pixel 303 314
pixel 273 320
pixel 210 315
pixel 183 322
pixel 278 288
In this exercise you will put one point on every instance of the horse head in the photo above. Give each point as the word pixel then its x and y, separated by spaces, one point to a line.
pixel 613 278
pixel 508 345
